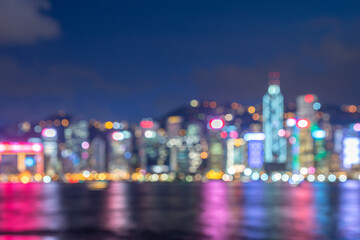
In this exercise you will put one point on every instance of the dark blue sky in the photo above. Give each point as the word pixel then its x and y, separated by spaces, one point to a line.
pixel 114 60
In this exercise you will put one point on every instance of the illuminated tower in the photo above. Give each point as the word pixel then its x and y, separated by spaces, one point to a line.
pixel 273 111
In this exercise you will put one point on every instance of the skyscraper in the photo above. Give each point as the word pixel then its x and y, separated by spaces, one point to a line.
pixel 273 111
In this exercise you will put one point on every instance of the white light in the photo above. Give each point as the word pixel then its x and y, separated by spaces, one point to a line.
pixel 255 176
pixel 231 170
pixel 149 134
pixel 264 177
pixel 303 171
pixel 342 178
pixel 86 173
pixel 217 123
pixel 295 177
pixel 311 178
pixel 118 136
pixel 49 132
pixel 276 177
pixel 37 147
pixel 321 178
pixel 47 179
pixel 254 137
pixel 351 151
pixel 247 171
pixel 285 178
pixel 291 122
pixel 332 178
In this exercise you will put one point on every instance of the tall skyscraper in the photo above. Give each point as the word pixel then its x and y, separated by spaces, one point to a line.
pixel 273 111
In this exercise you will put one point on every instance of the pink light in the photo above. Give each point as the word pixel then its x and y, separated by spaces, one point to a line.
pixel 85 145
pixel 216 123
pixel 311 170
pixel 234 134
pixel 281 133
pixel 356 127
pixel 146 124
pixel 15 147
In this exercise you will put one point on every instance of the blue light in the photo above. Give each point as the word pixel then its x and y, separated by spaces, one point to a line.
pixel 317 106
pixel 127 155
pixel 29 161
pixel 318 134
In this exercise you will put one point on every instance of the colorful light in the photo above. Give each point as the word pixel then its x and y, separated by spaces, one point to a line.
pixel 303 123
pixel 254 137
pixel 309 98
pixel 29 161
pixel 117 136
pixel 146 124
pixel 14 147
pixel 49 132
pixel 85 145
pixel 356 127
pixel 351 151
pixel 318 134
pixel 216 123
pixel 291 122
pixel 281 133
pixel 317 106
pixel 223 134
pixel 233 134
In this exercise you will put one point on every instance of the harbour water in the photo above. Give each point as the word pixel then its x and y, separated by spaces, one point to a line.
pixel 213 210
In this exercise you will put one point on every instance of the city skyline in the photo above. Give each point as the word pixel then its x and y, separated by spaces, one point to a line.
pixel 127 67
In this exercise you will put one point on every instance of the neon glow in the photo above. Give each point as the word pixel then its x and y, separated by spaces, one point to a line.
pixel 216 123
pixel 303 123
pixel 255 154
pixel 254 137
pixel 318 134
pixel 309 98
pixel 49 132
pixel 14 147
pixel 351 151
pixel 117 136
pixel 291 122
pixel 356 127
pixel 29 161
pixel 146 124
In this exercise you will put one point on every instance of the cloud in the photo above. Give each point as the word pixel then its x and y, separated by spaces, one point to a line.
pixel 328 67
pixel 24 22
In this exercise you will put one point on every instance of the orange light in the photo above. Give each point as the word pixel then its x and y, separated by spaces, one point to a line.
pixel 204 155
pixel 237 142
pixel 65 122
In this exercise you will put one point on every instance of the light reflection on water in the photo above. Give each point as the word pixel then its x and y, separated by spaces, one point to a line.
pixel 213 210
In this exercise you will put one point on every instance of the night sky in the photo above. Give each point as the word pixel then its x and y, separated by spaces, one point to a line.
pixel 124 60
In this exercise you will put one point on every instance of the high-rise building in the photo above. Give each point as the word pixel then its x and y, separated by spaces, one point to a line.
pixel 273 111
pixel 306 121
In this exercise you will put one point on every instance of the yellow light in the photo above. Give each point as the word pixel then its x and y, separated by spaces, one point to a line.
pixel 174 119
pixel 38 177
pixel 194 103
pixel 25 179
pixel 204 155
pixel 109 125
pixel 102 176
pixel 237 142
pixel 251 109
